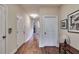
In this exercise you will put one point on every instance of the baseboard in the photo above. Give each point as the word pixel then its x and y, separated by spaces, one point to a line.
pixel 14 51
pixel 41 46
pixel 30 36
pixel 49 45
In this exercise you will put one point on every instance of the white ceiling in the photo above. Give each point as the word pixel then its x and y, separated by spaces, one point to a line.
pixel 39 5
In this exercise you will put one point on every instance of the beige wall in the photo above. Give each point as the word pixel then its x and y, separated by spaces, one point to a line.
pixel 49 11
pixel 11 41
pixel 13 10
pixel 43 10
pixel 74 37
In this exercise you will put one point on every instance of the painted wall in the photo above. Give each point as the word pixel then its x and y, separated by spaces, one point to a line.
pixel 28 23
pixel 12 43
pixel 74 37
pixel 28 27
pixel 48 11
pixel 11 40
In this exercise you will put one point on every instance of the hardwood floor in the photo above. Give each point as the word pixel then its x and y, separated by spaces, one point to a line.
pixel 32 47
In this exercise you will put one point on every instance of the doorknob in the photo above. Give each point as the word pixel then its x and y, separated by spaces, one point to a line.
pixel 4 37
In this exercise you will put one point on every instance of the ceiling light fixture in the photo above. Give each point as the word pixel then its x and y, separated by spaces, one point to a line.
pixel 34 15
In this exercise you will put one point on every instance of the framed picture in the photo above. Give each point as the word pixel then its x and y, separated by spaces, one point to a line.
pixel 64 24
pixel 73 22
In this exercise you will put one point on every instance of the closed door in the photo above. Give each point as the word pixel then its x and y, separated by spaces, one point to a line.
pixel 2 30
pixel 50 30
pixel 20 30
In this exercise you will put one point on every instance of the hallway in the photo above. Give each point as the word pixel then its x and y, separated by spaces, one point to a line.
pixel 52 24
pixel 32 47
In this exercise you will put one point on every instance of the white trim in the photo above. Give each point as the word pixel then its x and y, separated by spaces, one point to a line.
pixel 41 46
pixel 6 21
pixel 42 17
pixel 17 48
pixel 14 51
pixel 6 26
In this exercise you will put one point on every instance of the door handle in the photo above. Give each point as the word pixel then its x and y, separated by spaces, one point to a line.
pixel 4 37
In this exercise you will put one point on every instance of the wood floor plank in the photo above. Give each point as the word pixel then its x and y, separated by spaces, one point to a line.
pixel 32 47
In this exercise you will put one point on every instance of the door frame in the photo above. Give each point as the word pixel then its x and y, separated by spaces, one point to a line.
pixel 6 23
pixel 42 17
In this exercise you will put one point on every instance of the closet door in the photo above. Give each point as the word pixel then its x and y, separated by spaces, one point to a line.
pixel 2 29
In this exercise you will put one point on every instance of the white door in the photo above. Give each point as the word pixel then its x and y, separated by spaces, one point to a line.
pixel 20 30
pixel 2 30
pixel 50 30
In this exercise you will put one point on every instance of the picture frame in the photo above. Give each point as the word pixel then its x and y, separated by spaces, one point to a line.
pixel 73 22
pixel 64 24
